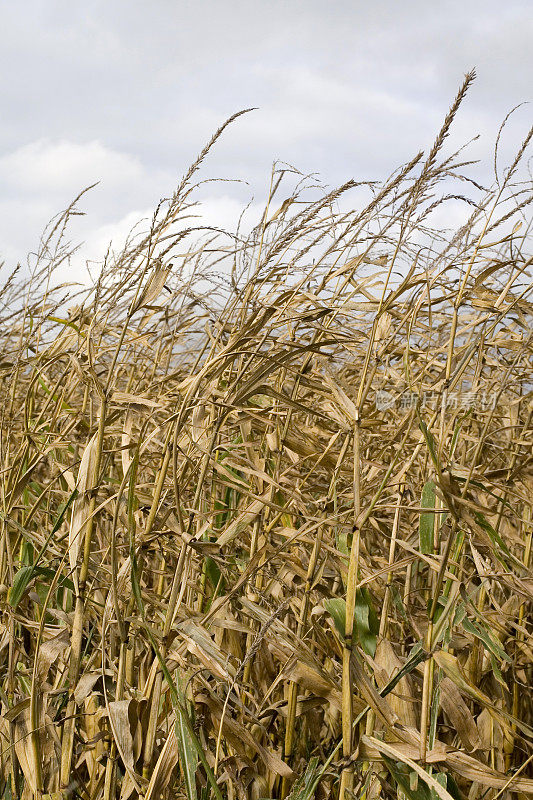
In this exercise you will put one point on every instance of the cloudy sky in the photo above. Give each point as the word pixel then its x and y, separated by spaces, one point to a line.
pixel 126 93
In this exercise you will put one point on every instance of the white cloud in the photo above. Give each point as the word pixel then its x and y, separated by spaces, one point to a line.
pixel 43 177
pixel 65 166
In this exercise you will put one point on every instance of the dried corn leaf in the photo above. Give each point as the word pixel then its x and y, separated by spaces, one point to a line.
pixel 85 483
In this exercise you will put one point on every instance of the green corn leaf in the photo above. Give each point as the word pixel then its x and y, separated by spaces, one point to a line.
pixel 496 539
pixel 452 787
pixel 305 786
pixel 336 607
pixel 186 748
pixel 404 778
pixel 427 518
pixel 497 671
pixel 416 656
pixel 20 583
pixel 490 642
pixel 24 575
pixel 23 578
pixel 430 441
pixel 398 602
pixel 442 780
pixel 213 573
pixel 366 621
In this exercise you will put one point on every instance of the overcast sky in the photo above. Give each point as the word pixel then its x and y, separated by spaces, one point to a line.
pixel 127 92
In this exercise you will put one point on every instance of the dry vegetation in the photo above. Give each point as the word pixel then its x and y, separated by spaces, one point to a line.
pixel 228 569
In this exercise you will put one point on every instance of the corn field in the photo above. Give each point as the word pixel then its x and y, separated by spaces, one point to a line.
pixel 266 500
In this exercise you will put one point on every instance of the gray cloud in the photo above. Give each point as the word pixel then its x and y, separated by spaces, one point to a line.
pixel 127 92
